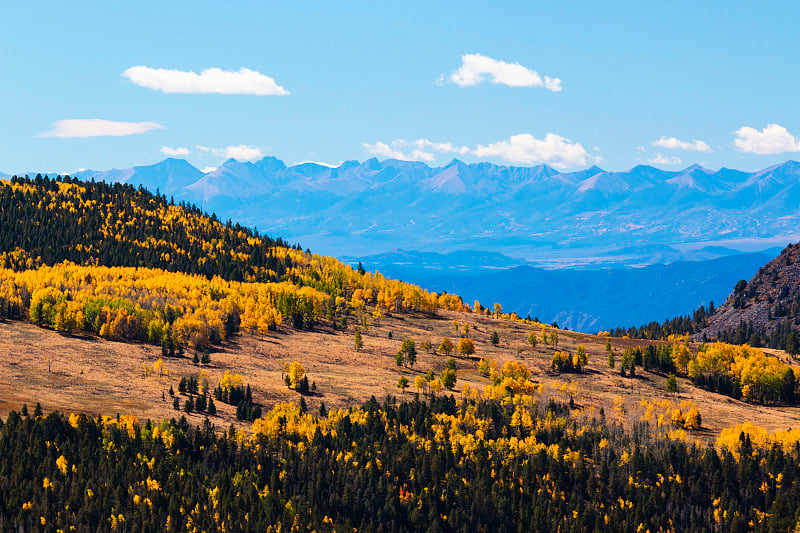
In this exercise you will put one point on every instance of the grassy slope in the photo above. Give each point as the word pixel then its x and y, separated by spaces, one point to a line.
pixel 95 376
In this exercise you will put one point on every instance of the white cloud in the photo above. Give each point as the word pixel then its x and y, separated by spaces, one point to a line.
pixel 641 149
pixel 671 143
pixel 527 149
pixel 421 155
pixel 440 147
pixel 212 80
pixel 420 150
pixel 96 127
pixel 172 152
pixel 773 139
pixel 239 152
pixel 661 160
pixel 320 163
pixel 518 149
pixel 206 170
pixel 381 149
pixel 476 67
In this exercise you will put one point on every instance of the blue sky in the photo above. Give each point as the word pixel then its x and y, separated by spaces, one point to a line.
pixel 428 81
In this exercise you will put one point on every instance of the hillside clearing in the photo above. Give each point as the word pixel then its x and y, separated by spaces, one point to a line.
pixel 96 376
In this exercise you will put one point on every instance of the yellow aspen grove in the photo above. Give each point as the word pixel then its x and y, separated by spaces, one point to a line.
pixel 227 286
pixel 296 372
pixel 121 303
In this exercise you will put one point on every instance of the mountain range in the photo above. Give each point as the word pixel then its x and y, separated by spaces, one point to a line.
pixel 585 218
pixel 500 233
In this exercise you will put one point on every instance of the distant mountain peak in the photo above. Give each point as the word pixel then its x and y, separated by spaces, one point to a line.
pixel 455 163
pixel 173 163
pixel 372 163
pixel 271 164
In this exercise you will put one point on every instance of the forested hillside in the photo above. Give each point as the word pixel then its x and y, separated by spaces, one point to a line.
pixel 129 265
pixel 51 221
pixel 506 464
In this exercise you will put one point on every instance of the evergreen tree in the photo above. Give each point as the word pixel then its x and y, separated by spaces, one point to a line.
pixel 212 408
pixel 495 338
pixel 188 405
pixel 359 342
pixel 672 384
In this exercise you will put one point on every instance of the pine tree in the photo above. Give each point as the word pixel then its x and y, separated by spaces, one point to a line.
pixel 672 384
pixel 449 378
pixel 304 388
pixel 358 341
pixel 212 408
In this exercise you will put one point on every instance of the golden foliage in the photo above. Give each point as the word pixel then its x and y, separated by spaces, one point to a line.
pixel 733 438
pixel 760 377
pixel 122 303
pixel 230 381
pixel 296 373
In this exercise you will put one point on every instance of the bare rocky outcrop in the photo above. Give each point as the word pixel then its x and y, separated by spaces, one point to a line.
pixel 768 304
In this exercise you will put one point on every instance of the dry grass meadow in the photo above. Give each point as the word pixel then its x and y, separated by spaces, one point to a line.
pixel 96 376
